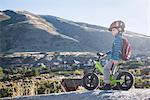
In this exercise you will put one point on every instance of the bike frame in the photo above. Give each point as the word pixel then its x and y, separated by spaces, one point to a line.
pixel 112 78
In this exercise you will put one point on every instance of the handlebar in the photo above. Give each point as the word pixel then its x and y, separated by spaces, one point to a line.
pixel 101 55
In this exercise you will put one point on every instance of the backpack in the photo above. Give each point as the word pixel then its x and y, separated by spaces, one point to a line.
pixel 126 49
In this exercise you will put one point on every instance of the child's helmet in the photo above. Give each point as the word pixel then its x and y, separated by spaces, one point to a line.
pixel 120 25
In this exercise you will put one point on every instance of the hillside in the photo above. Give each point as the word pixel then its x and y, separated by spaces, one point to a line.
pixel 27 32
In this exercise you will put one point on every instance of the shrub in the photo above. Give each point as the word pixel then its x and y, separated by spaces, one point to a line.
pixel 1 73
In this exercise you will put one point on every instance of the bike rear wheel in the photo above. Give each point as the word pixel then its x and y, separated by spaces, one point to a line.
pixel 128 80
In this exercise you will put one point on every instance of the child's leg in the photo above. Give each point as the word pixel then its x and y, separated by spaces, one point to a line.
pixel 107 69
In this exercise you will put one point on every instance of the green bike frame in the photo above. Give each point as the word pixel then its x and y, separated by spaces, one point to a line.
pixel 100 68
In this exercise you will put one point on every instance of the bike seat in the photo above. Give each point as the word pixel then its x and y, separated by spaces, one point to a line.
pixel 120 63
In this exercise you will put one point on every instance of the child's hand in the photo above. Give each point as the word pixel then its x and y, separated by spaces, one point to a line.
pixel 108 53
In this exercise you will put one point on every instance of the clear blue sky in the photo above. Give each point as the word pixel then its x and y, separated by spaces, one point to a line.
pixel 100 12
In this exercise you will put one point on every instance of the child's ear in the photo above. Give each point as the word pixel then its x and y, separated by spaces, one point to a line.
pixel 120 29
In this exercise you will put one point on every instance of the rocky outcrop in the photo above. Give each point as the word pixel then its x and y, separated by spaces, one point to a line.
pixel 133 94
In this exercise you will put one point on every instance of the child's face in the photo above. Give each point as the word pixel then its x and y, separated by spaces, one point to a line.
pixel 114 31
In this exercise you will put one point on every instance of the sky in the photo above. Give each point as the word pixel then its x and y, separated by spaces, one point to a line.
pixel 98 12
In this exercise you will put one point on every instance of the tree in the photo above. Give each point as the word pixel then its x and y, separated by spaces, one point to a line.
pixel 1 73
pixel 6 92
pixel 35 72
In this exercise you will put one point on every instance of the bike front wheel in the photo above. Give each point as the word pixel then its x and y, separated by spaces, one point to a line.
pixel 90 81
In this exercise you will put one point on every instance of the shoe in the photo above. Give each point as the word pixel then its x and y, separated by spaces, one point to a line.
pixel 107 87
pixel 115 88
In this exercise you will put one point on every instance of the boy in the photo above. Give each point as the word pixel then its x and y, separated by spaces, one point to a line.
pixel 117 29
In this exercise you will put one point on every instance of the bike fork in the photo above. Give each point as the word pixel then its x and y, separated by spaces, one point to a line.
pixel 94 70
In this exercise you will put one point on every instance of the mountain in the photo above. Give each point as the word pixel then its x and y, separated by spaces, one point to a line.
pixel 27 32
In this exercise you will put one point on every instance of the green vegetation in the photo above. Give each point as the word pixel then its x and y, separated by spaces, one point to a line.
pixel 134 63
pixel 22 81
pixel 6 92
pixel 1 73
pixel 41 80
pixel 76 72
pixel 24 87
